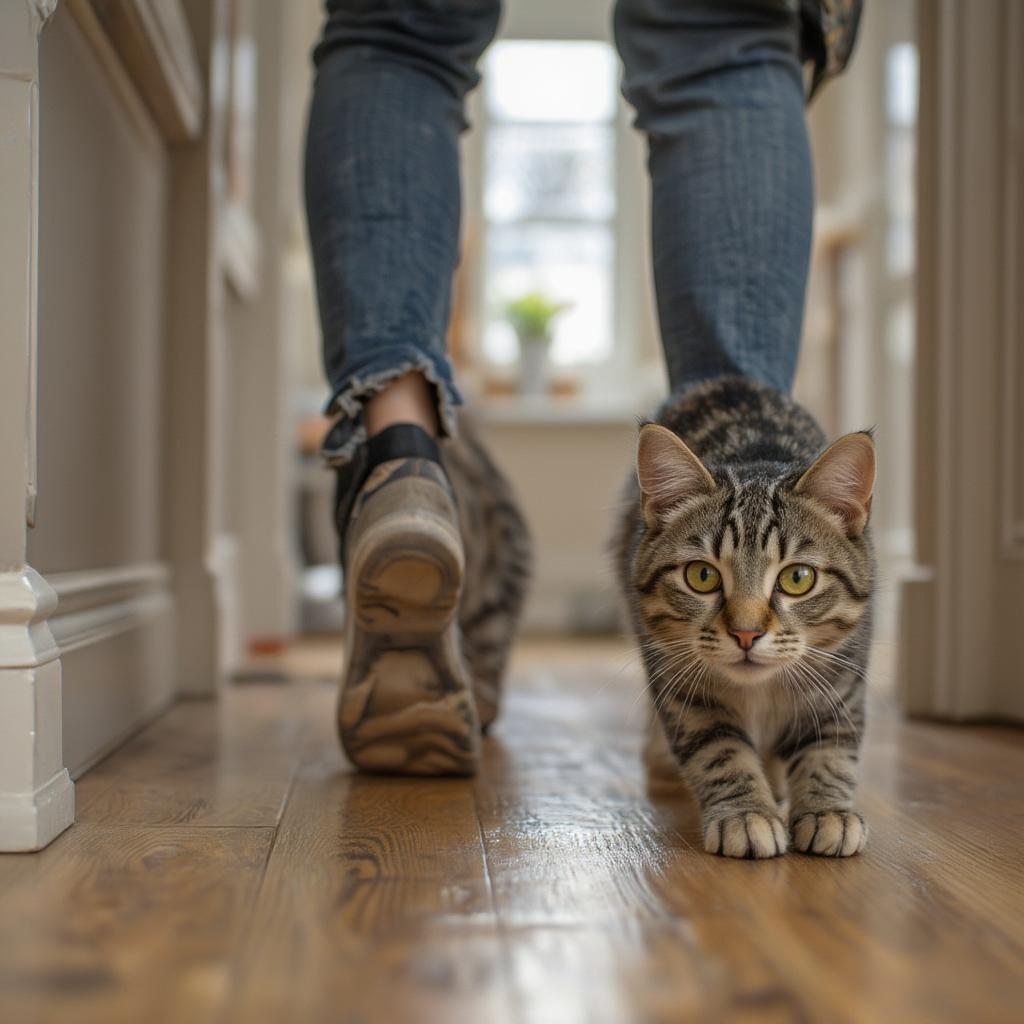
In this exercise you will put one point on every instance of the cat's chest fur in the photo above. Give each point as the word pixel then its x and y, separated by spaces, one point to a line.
pixel 766 712
pixel 747 570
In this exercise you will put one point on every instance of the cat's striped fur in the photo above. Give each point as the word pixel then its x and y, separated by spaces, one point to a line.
pixel 766 735
pixel 498 555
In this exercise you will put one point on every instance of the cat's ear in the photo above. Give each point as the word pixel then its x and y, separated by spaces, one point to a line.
pixel 667 470
pixel 843 478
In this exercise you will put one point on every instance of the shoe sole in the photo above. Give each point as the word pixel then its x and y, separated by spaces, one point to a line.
pixel 406 705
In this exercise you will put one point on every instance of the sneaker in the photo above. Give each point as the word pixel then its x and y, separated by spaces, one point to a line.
pixel 406 704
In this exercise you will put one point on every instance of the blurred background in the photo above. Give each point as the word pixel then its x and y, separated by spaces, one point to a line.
pixel 556 205
pixel 184 518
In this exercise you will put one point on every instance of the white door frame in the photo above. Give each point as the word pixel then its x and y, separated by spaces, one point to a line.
pixel 961 615
pixel 195 368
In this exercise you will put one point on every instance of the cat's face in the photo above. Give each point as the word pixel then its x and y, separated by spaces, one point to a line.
pixel 743 579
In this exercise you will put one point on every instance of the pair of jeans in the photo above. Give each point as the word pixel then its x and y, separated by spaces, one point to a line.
pixel 717 88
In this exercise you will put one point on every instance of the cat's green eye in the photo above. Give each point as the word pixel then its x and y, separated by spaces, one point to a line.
pixel 703 577
pixel 796 580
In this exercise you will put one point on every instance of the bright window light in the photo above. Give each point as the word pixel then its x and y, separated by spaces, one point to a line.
pixel 901 84
pixel 551 81
pixel 549 192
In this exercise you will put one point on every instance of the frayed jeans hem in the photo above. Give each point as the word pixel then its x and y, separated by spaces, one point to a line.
pixel 349 430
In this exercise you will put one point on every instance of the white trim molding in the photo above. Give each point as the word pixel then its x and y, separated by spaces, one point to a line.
pixel 96 605
pixel 152 41
pixel 30 821
pixel 1012 477
pixel 963 605
pixel 44 11
pixel 196 376
pixel 114 628
pixel 110 63
pixel 26 603
pixel 36 792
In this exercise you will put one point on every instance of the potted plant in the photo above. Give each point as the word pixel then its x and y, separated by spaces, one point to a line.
pixel 532 316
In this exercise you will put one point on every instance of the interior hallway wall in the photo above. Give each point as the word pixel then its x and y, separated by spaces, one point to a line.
pixel 97 536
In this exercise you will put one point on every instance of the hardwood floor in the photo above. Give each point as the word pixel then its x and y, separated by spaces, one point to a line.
pixel 227 866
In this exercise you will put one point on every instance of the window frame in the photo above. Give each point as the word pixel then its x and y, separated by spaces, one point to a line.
pixel 633 369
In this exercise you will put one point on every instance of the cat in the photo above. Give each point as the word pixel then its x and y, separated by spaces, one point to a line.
pixel 498 563
pixel 746 562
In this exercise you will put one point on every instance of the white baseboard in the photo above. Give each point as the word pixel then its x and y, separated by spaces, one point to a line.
pixel 30 821
pixel 135 726
pixel 97 604
pixel 26 603
pixel 114 627
pixel 95 625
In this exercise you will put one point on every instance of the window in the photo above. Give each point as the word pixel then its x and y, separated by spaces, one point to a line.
pixel 901 122
pixel 897 301
pixel 549 198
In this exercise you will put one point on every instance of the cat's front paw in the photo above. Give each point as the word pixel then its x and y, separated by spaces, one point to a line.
pixel 749 834
pixel 829 833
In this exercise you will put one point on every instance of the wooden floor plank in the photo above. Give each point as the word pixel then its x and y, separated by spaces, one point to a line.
pixel 211 763
pixel 126 924
pixel 904 933
pixel 593 937
pixel 559 886
pixel 376 906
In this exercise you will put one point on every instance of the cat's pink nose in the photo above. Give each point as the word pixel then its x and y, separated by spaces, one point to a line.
pixel 746 637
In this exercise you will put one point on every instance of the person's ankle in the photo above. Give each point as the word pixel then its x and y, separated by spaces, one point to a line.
pixel 400 441
pixel 407 399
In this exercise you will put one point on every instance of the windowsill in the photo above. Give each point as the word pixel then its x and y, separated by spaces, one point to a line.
pixel 556 410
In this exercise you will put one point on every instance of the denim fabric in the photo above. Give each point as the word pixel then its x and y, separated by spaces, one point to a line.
pixel 383 192
pixel 717 87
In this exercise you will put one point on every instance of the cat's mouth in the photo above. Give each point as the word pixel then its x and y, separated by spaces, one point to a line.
pixel 749 669
pixel 749 661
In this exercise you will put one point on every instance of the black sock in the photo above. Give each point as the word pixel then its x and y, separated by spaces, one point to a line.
pixel 401 441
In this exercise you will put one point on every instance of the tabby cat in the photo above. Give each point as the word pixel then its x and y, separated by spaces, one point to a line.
pixel 498 559
pixel 746 563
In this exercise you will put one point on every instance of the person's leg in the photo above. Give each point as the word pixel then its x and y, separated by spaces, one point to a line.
pixel 717 87
pixel 382 198
pixel 382 194
pixel 406 399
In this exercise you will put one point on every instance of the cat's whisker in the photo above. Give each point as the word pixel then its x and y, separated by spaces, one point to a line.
pixel 839 659
pixel 671 688
pixel 688 700
pixel 664 694
pixel 825 670
pixel 698 668
pixel 802 672
pixel 799 689
pixel 822 686
pixel 701 671
pixel 832 670
pixel 646 655
pixel 791 692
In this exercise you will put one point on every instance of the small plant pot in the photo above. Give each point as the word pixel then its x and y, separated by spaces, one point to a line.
pixel 533 366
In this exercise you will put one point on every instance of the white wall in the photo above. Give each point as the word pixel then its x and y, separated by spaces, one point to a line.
pixel 97 536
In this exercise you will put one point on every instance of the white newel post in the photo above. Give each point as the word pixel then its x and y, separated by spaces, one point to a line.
pixel 36 793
